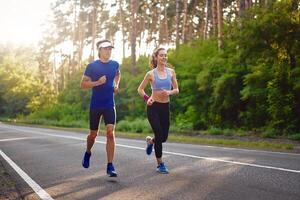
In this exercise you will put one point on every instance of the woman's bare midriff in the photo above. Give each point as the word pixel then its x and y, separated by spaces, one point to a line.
pixel 158 96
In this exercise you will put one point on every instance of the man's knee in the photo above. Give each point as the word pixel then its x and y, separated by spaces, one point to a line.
pixel 110 135
pixel 92 135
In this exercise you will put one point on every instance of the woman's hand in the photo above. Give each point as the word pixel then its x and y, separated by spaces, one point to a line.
pixel 166 92
pixel 150 101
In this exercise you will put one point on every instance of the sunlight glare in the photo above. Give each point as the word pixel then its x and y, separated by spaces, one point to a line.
pixel 21 21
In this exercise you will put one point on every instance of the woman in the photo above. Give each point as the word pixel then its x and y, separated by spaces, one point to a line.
pixel 163 84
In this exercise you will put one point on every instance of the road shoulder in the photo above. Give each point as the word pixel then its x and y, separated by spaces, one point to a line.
pixel 8 188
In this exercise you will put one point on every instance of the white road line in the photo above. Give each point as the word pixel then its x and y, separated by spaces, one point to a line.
pixel 218 160
pixel 171 153
pixel 38 190
pixel 252 150
pixel 13 139
pixel 206 146
pixel 233 162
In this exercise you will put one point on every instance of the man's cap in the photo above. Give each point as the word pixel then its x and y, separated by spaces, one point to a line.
pixel 104 44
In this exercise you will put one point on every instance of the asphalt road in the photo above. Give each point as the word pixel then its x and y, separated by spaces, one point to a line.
pixel 46 164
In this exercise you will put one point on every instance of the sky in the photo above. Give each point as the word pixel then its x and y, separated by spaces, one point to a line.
pixel 21 20
pixel 22 23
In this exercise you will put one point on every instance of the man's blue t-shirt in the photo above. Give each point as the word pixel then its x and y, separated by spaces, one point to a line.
pixel 102 95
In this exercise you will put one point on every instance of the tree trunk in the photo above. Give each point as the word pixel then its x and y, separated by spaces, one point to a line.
pixel 122 27
pixel 73 62
pixel 185 25
pixel 220 24
pixel 242 7
pixel 192 26
pixel 166 22
pixel 81 36
pixel 248 4
pixel 94 28
pixel 214 18
pixel 54 74
pixel 134 5
pixel 177 23
pixel 205 33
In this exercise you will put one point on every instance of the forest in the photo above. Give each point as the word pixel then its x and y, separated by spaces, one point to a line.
pixel 236 61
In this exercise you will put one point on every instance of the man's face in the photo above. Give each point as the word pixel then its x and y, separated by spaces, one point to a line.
pixel 105 53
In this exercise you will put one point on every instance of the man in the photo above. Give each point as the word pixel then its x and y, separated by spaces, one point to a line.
pixel 103 76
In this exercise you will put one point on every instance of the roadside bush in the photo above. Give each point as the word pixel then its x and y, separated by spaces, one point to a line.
pixel 294 137
pixel 270 133
pixel 135 126
pixel 214 131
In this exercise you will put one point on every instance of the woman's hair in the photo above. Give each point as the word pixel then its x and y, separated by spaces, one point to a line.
pixel 153 61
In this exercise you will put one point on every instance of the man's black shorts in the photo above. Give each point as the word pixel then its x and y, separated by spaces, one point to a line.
pixel 109 116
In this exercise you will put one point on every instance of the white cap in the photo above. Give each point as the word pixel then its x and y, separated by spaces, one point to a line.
pixel 105 44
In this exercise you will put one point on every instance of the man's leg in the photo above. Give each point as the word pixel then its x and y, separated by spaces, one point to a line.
pixel 95 117
pixel 89 144
pixel 110 142
pixel 95 120
pixel 110 150
pixel 91 140
pixel 109 116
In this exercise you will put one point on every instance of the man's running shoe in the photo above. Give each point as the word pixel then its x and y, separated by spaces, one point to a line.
pixel 111 172
pixel 161 168
pixel 149 145
pixel 86 160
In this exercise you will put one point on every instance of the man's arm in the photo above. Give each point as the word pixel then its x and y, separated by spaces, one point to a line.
pixel 87 83
pixel 117 81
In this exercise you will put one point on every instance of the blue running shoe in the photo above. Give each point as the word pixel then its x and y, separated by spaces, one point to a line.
pixel 110 170
pixel 86 160
pixel 149 147
pixel 161 168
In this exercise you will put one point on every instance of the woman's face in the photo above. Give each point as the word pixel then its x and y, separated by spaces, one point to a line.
pixel 162 57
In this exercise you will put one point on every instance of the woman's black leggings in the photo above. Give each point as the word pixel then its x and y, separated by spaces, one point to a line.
pixel 159 119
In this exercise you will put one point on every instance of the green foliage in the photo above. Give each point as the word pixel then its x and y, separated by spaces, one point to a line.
pixel 200 54
pixel 128 102
pixel 215 131
pixel 294 136
pixel 252 84
pixel 270 133
pixel 254 94
pixel 268 46
pixel 73 94
pixel 59 123
pixel 135 126
pixel 61 112
pixel 19 81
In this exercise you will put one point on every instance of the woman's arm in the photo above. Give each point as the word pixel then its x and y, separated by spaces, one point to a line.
pixel 175 89
pixel 141 88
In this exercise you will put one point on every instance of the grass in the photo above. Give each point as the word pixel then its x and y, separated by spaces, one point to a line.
pixel 295 137
pixel 190 139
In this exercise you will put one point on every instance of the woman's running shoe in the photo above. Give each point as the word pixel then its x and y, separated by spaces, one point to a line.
pixel 162 168
pixel 149 147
